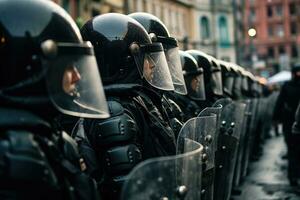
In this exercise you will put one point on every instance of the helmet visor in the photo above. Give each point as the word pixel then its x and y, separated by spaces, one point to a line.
pixel 216 82
pixel 175 68
pixel 228 84
pixel 196 89
pixel 74 82
pixel 245 86
pixel 151 58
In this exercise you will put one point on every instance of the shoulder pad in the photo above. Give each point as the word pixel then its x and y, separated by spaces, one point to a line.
pixel 115 108
pixel 119 128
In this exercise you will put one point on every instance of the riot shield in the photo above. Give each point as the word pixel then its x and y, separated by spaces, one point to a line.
pixel 231 120
pixel 202 130
pixel 242 144
pixel 249 136
pixel 173 177
pixel 208 111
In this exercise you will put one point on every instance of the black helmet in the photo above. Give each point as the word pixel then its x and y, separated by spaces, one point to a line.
pixel 212 72
pixel 227 77
pixel 125 53
pixel 159 33
pixel 43 57
pixel 193 76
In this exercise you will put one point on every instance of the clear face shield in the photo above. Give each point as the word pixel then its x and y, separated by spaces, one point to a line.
pixel 195 85
pixel 245 86
pixel 216 81
pixel 228 83
pixel 73 79
pixel 152 60
pixel 173 59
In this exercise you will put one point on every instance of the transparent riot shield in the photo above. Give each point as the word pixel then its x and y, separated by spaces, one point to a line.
pixel 253 129
pixel 202 130
pixel 243 142
pixel 231 123
pixel 248 139
pixel 216 109
pixel 173 177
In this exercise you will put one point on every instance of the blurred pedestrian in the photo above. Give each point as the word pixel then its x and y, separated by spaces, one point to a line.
pixel 285 109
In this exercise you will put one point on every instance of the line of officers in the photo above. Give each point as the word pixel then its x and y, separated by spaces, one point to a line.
pixel 158 123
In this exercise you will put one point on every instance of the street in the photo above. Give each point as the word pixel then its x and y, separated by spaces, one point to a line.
pixel 267 179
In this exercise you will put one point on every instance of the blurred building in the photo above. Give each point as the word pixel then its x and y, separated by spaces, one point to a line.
pixel 176 15
pixel 83 10
pixel 206 25
pixel 215 28
pixel 239 30
pixel 224 29
pixel 276 44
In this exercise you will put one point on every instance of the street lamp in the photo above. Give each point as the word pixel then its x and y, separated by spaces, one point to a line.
pixel 252 34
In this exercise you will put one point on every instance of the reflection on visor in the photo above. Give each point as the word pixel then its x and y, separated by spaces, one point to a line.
pixel 173 59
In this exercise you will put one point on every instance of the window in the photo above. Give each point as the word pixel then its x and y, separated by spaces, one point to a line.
pixel 223 31
pixel 279 10
pixel 279 30
pixel 66 5
pixel 294 51
pixel 205 33
pixel 292 9
pixel 270 31
pixel 281 50
pixel 252 15
pixel 271 52
pixel 293 28
pixel 269 11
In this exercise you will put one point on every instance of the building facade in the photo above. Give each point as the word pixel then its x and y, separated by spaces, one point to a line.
pixel 214 28
pixel 206 25
pixel 238 7
pixel 175 14
pixel 83 10
pixel 277 41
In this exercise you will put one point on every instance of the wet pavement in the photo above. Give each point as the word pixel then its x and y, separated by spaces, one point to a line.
pixel 267 178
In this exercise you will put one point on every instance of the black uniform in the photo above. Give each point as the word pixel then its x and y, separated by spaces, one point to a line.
pixel 37 163
pixel 159 33
pixel 42 70
pixel 139 126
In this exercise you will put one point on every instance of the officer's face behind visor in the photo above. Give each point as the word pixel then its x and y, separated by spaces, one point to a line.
pixel 73 79
pixel 197 87
pixel 151 59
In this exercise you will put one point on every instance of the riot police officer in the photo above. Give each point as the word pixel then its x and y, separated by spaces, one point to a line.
pixel 131 67
pixel 285 109
pixel 45 67
pixel 194 80
pixel 159 33
pixel 212 76
pixel 227 78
